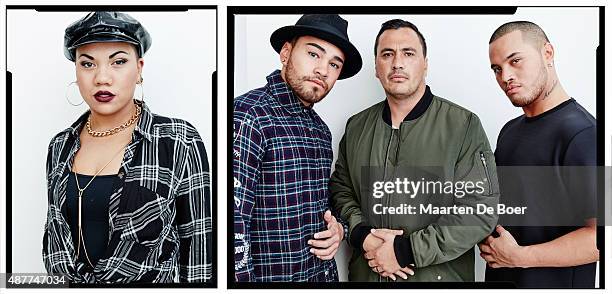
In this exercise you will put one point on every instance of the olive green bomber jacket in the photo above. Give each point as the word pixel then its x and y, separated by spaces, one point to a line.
pixel 446 136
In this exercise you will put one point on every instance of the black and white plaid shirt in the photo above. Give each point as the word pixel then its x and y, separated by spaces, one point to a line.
pixel 160 228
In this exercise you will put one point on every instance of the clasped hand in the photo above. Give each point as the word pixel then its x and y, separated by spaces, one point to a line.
pixel 379 252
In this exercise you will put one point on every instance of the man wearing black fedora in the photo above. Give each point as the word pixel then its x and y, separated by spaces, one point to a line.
pixel 283 227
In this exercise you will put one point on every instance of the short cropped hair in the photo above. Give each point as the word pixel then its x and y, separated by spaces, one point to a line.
pixel 531 32
pixel 395 24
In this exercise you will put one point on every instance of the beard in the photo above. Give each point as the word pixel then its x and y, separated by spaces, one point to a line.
pixel 301 85
pixel 536 90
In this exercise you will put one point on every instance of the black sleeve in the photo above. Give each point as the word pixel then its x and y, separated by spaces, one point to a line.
pixel 403 251
pixel 582 149
pixel 358 235
pixel 581 160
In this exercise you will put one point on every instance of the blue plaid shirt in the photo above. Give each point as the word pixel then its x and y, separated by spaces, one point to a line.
pixel 282 164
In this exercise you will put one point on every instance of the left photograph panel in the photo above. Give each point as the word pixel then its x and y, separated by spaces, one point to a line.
pixel 111 137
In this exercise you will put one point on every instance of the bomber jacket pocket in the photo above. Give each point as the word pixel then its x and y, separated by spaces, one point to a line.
pixel 484 161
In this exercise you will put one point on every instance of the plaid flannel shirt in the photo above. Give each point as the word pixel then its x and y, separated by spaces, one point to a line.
pixel 282 164
pixel 159 212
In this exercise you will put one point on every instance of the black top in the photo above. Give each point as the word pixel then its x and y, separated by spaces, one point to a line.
pixel 94 214
pixel 563 136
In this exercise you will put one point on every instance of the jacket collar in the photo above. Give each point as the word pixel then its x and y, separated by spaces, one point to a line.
pixel 283 94
pixel 415 113
pixel 143 128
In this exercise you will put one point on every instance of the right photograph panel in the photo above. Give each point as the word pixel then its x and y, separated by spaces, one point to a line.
pixel 426 146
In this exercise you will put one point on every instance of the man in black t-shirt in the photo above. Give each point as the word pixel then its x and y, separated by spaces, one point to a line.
pixel 557 135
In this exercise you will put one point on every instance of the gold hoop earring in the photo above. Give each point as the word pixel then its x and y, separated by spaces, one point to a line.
pixel 66 95
pixel 139 83
pixel 141 92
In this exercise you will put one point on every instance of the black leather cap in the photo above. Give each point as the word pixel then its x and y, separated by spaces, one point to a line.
pixel 329 27
pixel 105 26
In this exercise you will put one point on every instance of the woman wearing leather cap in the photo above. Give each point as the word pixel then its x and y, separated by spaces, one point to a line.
pixel 128 190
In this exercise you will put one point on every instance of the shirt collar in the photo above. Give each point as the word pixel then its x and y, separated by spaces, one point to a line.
pixel 283 94
pixel 143 128
pixel 416 112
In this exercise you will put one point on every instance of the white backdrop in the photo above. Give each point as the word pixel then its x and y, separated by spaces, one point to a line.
pixel 177 83
pixel 459 68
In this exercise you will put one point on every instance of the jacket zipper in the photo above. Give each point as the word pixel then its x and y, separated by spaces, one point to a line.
pixel 380 279
pixel 484 163
pixel 395 165
pixel 396 157
pixel 385 169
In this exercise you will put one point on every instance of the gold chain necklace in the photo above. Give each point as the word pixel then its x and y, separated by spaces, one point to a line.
pixel 116 129
pixel 80 229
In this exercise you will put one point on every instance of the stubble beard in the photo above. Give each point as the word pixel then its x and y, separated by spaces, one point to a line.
pixel 538 88
pixel 406 94
pixel 310 94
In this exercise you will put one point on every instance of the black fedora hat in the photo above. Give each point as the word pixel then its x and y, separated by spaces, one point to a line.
pixel 329 27
pixel 105 26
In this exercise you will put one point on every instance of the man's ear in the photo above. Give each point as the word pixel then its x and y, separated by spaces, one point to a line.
pixel 426 67
pixel 548 53
pixel 285 52
pixel 375 68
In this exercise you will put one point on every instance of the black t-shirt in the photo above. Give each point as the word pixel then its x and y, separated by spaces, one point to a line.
pixel 561 137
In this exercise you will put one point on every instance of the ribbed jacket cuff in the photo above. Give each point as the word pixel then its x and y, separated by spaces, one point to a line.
pixel 358 235
pixel 403 251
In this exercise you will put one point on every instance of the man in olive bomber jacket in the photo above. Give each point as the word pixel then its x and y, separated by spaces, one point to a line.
pixel 412 129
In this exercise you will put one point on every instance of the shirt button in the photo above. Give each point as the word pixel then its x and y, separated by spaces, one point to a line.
pixel 439 278
pixel 326 273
